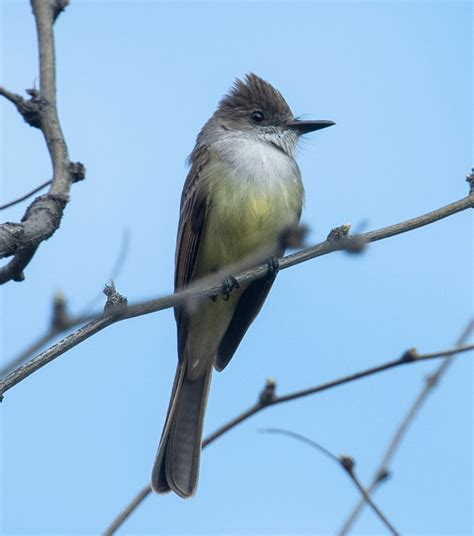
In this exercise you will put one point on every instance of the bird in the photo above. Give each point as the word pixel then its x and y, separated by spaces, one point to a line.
pixel 243 194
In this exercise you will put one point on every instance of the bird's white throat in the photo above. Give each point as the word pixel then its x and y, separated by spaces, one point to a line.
pixel 257 160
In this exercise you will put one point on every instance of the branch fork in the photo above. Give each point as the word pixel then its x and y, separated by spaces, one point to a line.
pixel 43 216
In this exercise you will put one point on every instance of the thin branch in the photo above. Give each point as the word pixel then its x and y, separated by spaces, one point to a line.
pixel 12 97
pixel 56 328
pixel 347 463
pixel 43 216
pixel 61 320
pixel 128 510
pixel 116 269
pixel 28 109
pixel 431 381
pixel 268 398
pixel 58 7
pixel 212 285
pixel 25 196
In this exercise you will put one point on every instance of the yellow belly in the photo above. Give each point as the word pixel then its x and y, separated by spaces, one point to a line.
pixel 247 218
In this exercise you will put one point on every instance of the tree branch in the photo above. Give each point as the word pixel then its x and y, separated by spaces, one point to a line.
pixel 431 381
pixel 25 196
pixel 128 510
pixel 43 216
pixel 61 320
pixel 347 463
pixel 28 109
pixel 268 398
pixel 212 285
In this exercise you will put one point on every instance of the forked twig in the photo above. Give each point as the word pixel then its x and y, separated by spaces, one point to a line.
pixel 269 398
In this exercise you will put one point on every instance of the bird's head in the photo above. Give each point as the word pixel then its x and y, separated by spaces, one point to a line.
pixel 253 107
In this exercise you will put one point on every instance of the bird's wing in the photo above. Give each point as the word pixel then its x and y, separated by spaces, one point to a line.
pixel 247 309
pixel 192 222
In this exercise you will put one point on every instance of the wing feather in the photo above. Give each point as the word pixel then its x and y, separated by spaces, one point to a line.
pixel 247 309
pixel 192 222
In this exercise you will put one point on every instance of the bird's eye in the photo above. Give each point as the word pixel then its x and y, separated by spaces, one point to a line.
pixel 258 116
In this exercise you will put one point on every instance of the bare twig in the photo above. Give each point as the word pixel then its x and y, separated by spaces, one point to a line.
pixel 431 381
pixel 128 510
pixel 268 398
pixel 470 181
pixel 61 320
pixel 43 216
pixel 58 7
pixel 25 196
pixel 212 285
pixel 347 463
pixel 12 97
pixel 116 269
pixel 28 109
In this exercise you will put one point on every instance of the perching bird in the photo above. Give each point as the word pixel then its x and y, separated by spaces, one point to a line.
pixel 242 195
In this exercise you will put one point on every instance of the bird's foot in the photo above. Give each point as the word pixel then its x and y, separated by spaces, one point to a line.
pixel 228 285
pixel 273 268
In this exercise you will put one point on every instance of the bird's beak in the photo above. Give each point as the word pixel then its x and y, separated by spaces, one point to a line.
pixel 304 127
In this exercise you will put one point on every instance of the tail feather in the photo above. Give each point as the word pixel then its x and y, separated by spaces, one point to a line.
pixel 177 462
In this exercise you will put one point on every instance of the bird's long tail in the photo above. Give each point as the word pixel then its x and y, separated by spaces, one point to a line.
pixel 177 461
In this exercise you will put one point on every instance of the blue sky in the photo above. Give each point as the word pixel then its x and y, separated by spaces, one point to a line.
pixel 136 81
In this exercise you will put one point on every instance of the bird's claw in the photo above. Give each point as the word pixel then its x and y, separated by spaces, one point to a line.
pixel 228 285
pixel 273 267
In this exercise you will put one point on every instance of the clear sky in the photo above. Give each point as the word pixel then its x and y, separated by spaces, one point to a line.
pixel 136 81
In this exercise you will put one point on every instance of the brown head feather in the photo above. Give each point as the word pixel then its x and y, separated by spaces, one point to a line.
pixel 254 93
pixel 234 112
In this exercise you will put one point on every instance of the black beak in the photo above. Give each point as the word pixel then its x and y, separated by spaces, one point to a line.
pixel 304 127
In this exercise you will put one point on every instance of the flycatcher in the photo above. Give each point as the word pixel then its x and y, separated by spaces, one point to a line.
pixel 242 195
